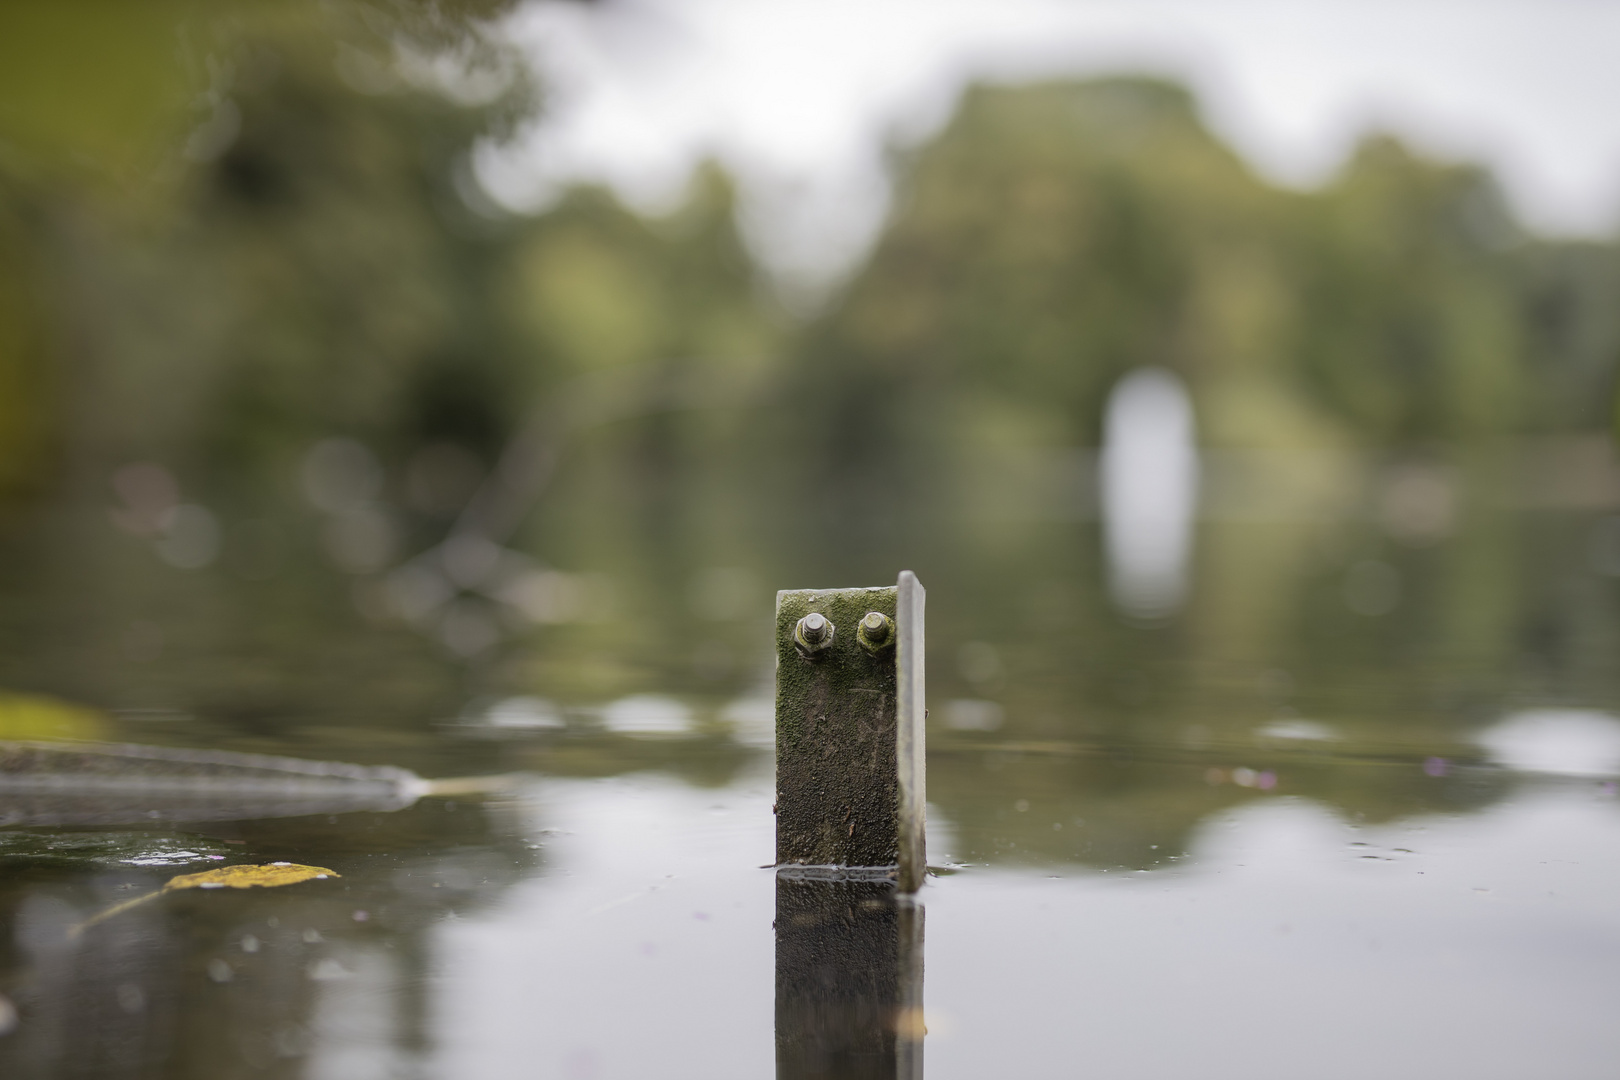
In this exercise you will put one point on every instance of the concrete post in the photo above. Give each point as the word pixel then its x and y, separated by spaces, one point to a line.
pixel 850 745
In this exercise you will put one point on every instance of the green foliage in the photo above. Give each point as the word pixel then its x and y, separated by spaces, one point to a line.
pixel 269 234
pixel 594 287
pixel 1409 326
pixel 27 352
pixel 317 273
pixel 92 89
pixel 309 257
pixel 1054 236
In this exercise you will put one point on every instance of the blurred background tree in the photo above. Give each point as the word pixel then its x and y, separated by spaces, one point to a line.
pixel 228 232
pixel 1054 236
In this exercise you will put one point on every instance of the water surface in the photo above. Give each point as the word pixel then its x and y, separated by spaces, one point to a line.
pixel 1271 836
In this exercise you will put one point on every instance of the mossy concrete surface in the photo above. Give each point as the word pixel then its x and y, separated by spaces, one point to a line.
pixel 837 790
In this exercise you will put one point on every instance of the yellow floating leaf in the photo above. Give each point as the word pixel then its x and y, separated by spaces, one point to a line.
pixel 35 716
pixel 225 877
pixel 248 877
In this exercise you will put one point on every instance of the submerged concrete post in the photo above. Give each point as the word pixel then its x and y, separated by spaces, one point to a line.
pixel 850 735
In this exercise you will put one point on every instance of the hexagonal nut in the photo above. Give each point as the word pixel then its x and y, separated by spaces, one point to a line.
pixel 875 632
pixel 814 634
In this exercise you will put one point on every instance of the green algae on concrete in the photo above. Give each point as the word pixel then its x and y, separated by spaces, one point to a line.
pixel 849 734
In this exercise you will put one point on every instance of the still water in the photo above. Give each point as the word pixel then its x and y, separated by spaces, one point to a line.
pixel 1285 831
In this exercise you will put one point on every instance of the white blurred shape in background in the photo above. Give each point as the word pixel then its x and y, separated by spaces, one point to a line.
pixel 524 714
pixel 190 539
pixel 1149 480
pixel 1561 742
pixel 647 714
pixel 341 474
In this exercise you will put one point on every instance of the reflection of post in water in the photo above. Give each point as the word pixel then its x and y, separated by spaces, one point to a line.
pixel 849 978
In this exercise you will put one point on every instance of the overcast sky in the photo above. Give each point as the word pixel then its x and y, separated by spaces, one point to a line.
pixel 799 97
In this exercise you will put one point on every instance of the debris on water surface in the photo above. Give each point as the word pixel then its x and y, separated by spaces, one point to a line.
pixel 267 876
pixel 88 784
pixel 81 850
pixel 114 784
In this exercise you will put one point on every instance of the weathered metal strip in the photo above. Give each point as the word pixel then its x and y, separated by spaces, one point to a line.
pixel 911 730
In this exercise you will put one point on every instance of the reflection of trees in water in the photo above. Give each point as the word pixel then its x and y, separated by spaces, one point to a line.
pixel 252 982
pixel 1040 696
pixel 1132 807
